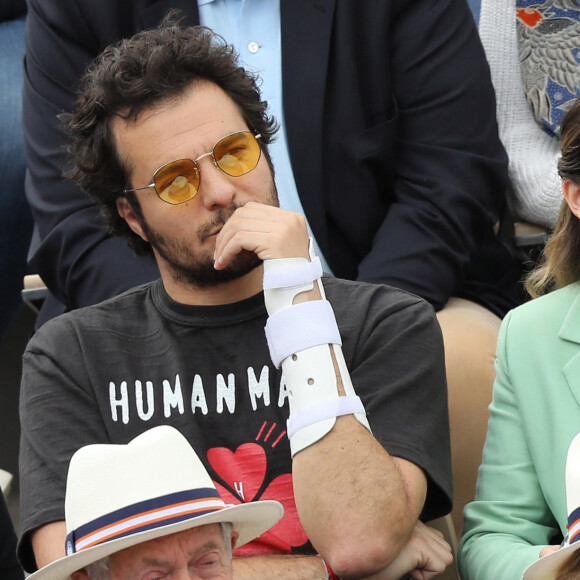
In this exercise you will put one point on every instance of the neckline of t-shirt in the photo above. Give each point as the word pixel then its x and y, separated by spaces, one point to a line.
pixel 218 315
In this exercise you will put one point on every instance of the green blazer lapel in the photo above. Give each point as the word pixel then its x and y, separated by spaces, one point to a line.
pixel 570 331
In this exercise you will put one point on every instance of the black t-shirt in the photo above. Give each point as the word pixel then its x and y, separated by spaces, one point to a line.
pixel 111 371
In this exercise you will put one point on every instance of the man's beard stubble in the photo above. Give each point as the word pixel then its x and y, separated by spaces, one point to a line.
pixel 185 266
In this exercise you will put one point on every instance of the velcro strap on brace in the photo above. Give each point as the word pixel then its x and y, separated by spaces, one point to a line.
pixel 290 275
pixel 322 411
pixel 300 327
pixel 297 271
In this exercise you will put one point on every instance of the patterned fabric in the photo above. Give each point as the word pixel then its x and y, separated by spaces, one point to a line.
pixel 549 52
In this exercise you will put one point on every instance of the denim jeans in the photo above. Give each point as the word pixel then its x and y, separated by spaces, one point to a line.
pixel 15 218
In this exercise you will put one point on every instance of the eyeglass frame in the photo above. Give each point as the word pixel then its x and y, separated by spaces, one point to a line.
pixel 194 161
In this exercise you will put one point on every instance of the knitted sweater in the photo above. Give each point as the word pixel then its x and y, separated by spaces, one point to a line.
pixel 533 154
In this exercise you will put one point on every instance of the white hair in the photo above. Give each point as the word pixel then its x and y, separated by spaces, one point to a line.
pixel 101 569
pixel 227 531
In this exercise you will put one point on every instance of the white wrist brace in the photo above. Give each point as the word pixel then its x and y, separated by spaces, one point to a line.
pixel 300 338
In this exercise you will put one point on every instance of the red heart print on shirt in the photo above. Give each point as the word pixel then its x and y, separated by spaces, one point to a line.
pixel 244 471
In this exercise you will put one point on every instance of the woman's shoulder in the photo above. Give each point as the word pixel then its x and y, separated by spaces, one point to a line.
pixel 543 316
pixel 548 305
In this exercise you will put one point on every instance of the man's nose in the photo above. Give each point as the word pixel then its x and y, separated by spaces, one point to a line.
pixel 186 574
pixel 216 188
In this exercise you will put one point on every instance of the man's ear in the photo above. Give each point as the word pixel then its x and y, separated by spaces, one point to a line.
pixel 126 212
pixel 571 192
pixel 79 575
pixel 235 536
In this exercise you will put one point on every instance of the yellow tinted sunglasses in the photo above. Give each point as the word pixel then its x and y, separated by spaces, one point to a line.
pixel 178 181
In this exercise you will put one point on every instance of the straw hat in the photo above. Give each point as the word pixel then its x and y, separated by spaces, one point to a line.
pixel 118 496
pixel 547 567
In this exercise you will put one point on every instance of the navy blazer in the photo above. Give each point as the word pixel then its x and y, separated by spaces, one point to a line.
pixel 11 9
pixel 390 118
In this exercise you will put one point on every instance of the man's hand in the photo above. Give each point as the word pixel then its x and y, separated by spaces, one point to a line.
pixel 268 231
pixel 425 555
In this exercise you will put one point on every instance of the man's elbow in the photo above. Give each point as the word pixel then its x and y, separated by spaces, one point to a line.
pixel 357 559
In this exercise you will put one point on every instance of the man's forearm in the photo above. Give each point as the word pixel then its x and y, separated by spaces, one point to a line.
pixel 48 543
pixel 281 567
pixel 356 504
pixel 426 553
pixel 351 493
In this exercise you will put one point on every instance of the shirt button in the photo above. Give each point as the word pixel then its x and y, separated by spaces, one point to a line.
pixel 253 47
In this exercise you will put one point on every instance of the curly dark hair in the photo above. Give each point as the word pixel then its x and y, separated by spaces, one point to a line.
pixel 136 75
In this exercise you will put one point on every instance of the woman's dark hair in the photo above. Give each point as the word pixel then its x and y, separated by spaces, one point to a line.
pixel 560 264
pixel 136 75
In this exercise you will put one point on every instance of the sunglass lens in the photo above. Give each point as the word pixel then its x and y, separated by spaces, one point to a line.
pixel 237 154
pixel 177 182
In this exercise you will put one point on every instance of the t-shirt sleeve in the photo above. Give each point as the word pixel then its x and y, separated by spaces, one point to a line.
pixel 397 366
pixel 58 414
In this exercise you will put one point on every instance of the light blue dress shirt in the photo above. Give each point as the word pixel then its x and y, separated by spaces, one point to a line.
pixel 253 27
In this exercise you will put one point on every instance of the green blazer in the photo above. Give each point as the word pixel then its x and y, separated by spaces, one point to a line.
pixel 520 503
